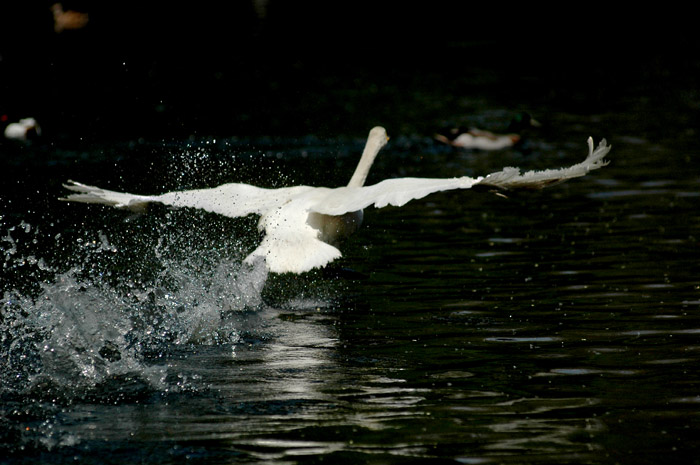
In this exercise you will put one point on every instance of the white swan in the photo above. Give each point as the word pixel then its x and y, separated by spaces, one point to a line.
pixel 303 224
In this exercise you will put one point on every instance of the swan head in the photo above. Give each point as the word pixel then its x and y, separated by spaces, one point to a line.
pixel 378 134
pixel 375 141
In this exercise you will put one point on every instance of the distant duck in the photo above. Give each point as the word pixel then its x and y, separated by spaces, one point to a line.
pixel 24 129
pixel 473 138
pixel 66 20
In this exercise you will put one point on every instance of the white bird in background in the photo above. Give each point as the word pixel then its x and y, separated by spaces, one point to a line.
pixel 303 225
pixel 475 138
pixel 24 129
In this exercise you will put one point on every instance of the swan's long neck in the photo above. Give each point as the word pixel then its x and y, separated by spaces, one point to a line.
pixel 376 140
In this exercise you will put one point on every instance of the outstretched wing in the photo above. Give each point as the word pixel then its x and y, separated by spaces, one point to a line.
pixel 398 192
pixel 510 178
pixel 232 200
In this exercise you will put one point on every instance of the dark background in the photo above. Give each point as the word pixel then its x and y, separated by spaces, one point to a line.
pixel 164 69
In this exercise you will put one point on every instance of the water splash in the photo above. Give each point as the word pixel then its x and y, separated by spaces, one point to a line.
pixel 105 320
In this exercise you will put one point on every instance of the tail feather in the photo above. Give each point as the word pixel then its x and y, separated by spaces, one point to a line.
pixel 293 255
pixel 92 194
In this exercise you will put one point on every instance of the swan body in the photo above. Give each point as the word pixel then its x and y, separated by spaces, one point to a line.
pixel 303 225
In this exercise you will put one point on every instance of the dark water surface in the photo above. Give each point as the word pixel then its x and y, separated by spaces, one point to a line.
pixel 550 327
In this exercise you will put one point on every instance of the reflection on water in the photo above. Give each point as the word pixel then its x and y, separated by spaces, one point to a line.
pixel 553 327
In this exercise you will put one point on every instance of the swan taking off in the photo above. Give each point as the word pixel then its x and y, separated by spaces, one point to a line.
pixel 303 224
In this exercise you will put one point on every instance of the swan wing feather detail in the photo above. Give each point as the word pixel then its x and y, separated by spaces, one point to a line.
pixel 232 200
pixel 510 178
pixel 397 192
